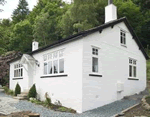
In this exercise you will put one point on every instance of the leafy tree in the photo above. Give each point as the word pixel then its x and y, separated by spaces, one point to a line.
pixel 45 27
pixel 21 37
pixel 21 12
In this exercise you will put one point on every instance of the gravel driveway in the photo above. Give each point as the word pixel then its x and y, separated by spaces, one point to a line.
pixel 104 111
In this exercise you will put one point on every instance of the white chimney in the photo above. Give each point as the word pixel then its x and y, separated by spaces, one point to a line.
pixel 35 45
pixel 110 12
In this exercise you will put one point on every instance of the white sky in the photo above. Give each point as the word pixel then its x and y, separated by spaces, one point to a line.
pixel 12 4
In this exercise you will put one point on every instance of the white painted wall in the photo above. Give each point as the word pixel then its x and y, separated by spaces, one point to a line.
pixel 22 82
pixel 79 90
pixel 113 66
pixel 68 90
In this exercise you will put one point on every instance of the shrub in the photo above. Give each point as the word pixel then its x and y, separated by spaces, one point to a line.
pixel 10 92
pixel 32 92
pixel 48 99
pixel 5 89
pixel 17 89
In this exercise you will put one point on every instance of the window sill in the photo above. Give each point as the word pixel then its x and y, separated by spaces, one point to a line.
pixel 133 79
pixel 17 78
pixel 124 46
pixel 60 75
pixel 96 75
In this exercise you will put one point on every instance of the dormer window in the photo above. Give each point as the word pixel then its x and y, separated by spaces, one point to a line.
pixel 123 37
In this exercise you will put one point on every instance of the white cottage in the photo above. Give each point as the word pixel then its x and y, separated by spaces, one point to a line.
pixel 87 70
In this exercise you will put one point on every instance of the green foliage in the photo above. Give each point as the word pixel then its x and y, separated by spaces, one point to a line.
pixel 52 20
pixel 148 70
pixel 21 38
pixel 5 89
pixel 5 81
pixel 48 99
pixel 21 12
pixel 17 89
pixel 10 92
pixel 63 109
pixel 32 92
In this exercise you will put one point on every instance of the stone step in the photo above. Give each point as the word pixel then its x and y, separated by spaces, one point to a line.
pixel 22 95
pixel 20 98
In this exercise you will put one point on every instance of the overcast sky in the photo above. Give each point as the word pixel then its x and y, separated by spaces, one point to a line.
pixel 12 4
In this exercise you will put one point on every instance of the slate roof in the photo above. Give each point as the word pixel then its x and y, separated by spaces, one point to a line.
pixel 90 31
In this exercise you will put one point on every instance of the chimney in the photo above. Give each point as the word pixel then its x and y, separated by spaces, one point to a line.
pixel 35 45
pixel 110 12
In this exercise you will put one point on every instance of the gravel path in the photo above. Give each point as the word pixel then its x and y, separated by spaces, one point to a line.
pixel 104 111
pixel 5 104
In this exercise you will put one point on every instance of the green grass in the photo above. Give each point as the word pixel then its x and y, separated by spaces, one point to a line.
pixel 148 69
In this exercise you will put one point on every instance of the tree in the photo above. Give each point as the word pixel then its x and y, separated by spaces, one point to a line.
pixel 45 26
pixel 21 12
pixel 2 2
pixel 21 37
pixel 82 15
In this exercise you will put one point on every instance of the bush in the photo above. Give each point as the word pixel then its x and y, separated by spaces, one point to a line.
pixel 5 89
pixel 17 89
pixel 32 92
pixel 10 92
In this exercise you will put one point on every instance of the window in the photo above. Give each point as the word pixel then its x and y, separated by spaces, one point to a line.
pixel 54 62
pixel 95 60
pixel 123 37
pixel 132 68
pixel 18 70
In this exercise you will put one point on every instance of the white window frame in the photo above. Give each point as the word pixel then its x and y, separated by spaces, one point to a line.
pixel 17 70
pixel 52 59
pixel 123 38
pixel 132 63
pixel 96 55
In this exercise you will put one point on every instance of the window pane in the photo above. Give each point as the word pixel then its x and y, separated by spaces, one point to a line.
pixel 55 64
pixel 130 70
pixel 15 73
pixel 121 39
pixel 134 71
pixel 96 51
pixel 21 72
pixel 45 68
pixel 124 40
pixel 95 64
pixel 134 62
pixel 50 67
pixel 61 66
